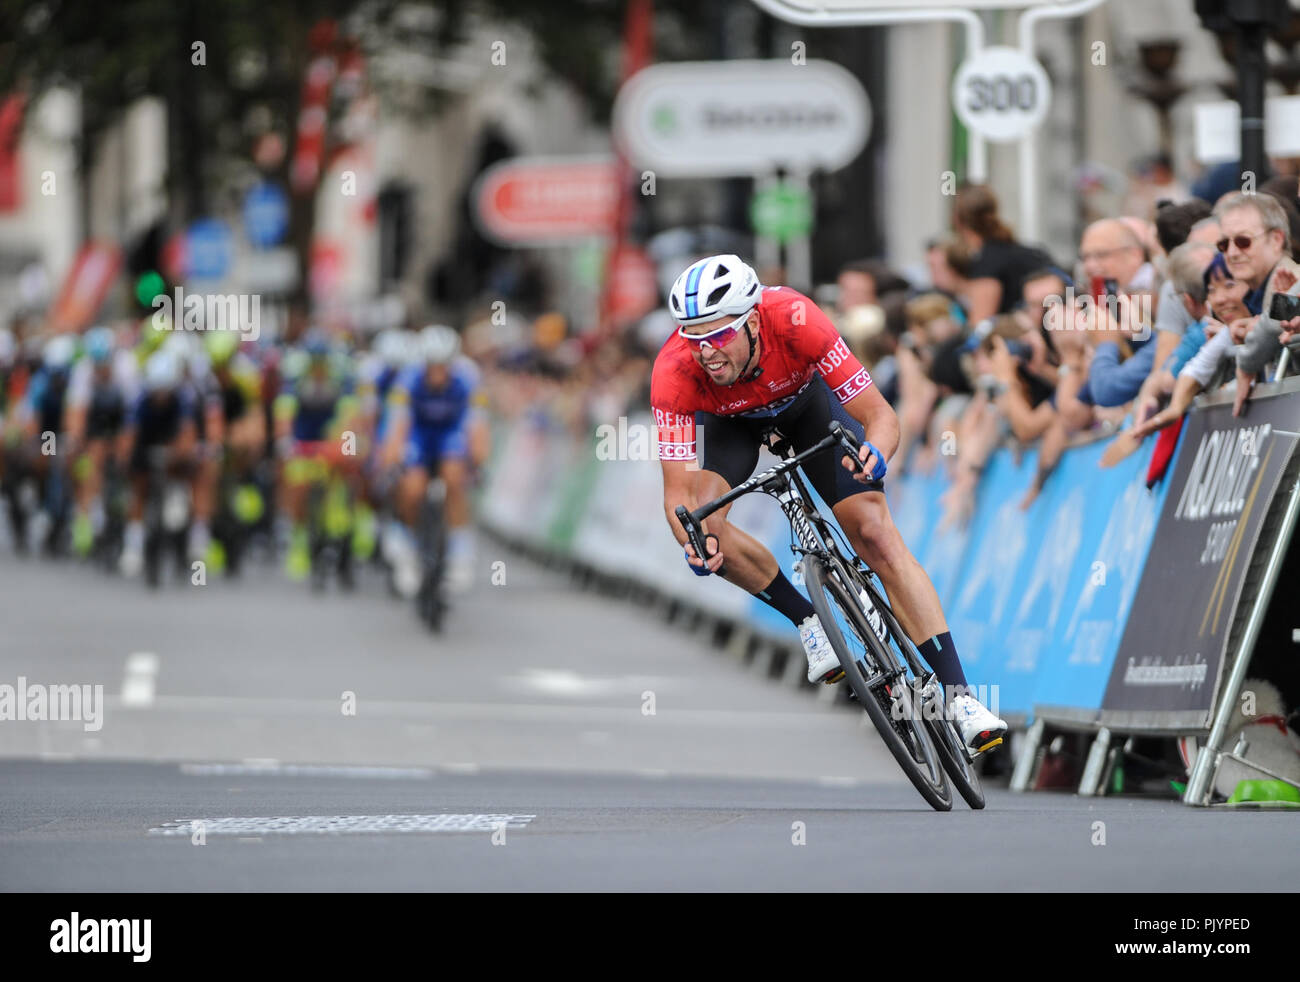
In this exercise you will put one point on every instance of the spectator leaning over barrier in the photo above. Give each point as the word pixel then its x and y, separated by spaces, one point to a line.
pixel 1225 324
pixel 999 262
pixel 1189 267
pixel 929 322
pixel 1174 225
pixel 1177 225
pixel 1256 244
pixel 1026 366
pixel 1120 337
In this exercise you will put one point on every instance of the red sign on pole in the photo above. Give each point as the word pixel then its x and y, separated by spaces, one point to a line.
pixel 633 288
pixel 531 201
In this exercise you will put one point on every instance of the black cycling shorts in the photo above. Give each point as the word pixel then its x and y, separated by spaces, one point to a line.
pixel 731 443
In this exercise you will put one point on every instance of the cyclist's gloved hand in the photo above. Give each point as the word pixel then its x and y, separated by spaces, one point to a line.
pixel 704 569
pixel 878 471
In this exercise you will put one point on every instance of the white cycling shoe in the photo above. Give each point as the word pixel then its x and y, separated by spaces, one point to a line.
pixel 823 666
pixel 980 729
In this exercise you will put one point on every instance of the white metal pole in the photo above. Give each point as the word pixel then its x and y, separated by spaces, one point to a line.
pixel 1028 156
pixel 798 252
pixel 976 149
pixel 767 251
pixel 1198 783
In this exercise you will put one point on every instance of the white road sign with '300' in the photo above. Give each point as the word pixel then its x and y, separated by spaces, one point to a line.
pixel 1002 94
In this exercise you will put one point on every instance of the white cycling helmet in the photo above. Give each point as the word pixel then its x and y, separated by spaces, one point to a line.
pixel 59 352
pixel 391 346
pixel 439 344
pixel 162 371
pixel 712 288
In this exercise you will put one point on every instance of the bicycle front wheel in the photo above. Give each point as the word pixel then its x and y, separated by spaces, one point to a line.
pixel 878 681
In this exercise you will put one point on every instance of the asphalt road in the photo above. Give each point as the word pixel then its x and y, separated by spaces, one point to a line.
pixel 257 737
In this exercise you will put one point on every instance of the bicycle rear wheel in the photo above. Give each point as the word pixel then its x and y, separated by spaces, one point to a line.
pixel 943 730
pixel 878 680
pixel 431 540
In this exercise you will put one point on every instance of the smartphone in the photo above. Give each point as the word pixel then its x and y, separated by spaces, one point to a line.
pixel 1284 307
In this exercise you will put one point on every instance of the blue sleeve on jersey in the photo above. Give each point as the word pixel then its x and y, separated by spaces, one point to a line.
pixel 36 390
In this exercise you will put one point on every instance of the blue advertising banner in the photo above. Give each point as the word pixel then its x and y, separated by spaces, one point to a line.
pixel 1036 599
pixel 1113 516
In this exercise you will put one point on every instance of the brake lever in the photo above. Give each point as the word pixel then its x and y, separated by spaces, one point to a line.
pixel 694 534
pixel 849 443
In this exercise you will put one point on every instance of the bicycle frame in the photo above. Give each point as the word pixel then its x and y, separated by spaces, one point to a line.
pixel 814 533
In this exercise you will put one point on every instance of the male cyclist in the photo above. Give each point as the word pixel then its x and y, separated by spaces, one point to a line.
pixel 312 415
pixel 103 386
pixel 747 360
pixel 164 418
pixel 430 409
pixel 45 415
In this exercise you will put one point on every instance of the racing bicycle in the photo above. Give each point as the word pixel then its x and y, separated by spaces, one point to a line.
pixel 885 672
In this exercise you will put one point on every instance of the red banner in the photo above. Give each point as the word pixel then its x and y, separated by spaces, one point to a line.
pixel 11 124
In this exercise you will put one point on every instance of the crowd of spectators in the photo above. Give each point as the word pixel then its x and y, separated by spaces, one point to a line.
pixel 1005 344
pixel 997 341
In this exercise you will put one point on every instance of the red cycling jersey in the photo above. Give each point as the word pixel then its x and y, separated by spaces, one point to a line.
pixel 796 339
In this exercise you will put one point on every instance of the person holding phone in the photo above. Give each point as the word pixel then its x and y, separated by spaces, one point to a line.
pixel 1256 246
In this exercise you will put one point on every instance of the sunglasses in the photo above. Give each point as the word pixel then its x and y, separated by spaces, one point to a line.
pixel 1242 242
pixel 714 339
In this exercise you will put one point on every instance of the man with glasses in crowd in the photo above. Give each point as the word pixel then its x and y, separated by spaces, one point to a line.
pixel 1256 244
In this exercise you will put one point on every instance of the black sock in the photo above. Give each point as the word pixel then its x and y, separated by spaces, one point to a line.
pixel 781 596
pixel 941 655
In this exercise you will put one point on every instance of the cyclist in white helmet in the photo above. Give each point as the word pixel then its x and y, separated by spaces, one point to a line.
pixel 431 410
pixel 166 414
pixel 747 359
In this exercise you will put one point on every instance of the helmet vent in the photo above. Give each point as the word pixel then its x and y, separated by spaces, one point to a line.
pixel 716 295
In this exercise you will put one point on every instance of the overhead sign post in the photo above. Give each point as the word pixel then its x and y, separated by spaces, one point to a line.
pixel 858 13
pixel 747 118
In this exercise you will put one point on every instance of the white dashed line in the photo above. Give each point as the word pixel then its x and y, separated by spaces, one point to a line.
pixel 138 686
pixel 341 824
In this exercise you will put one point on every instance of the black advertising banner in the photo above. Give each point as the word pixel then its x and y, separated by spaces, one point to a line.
pixel 1172 652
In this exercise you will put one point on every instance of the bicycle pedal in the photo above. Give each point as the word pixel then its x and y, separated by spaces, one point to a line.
pixel 837 677
pixel 989 746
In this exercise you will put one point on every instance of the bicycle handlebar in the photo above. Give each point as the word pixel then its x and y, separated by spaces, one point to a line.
pixel 691 521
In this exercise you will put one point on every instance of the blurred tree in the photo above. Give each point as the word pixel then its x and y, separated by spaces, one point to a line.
pixel 232 72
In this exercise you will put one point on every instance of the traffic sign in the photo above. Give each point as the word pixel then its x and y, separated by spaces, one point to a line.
pixel 782 212
pixel 1002 94
pixel 741 118
pixel 266 214
pixel 533 201
pixel 208 249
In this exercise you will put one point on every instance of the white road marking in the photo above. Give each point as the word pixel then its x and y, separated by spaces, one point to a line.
pixel 460 767
pixel 342 824
pixel 542 712
pixel 276 769
pixel 138 686
pixel 565 683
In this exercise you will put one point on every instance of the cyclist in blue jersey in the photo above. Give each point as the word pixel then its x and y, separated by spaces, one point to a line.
pixel 44 425
pixel 431 415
